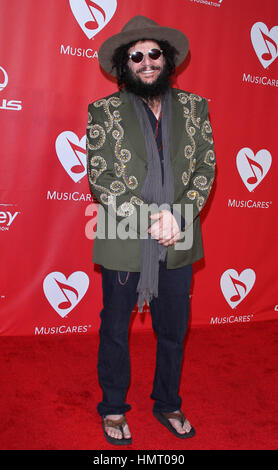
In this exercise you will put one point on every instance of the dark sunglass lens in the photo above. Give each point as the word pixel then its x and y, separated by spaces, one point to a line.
pixel 137 57
pixel 155 54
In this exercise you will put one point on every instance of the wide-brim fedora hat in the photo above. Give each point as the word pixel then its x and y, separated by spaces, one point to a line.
pixel 141 27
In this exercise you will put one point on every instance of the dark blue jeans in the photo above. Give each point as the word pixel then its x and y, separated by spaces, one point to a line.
pixel 170 313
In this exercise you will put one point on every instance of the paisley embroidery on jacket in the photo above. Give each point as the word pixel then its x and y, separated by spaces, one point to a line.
pixel 98 165
pixel 193 126
pixel 127 208
pixel 123 156
pixel 210 158
pixel 190 118
pixel 206 129
pixel 96 132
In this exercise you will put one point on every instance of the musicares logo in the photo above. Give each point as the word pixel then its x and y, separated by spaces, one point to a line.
pixel 91 16
pixel 253 168
pixel 72 154
pixel 63 293
pixel 265 43
pixel 235 287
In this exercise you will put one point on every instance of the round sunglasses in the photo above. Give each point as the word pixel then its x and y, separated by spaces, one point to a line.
pixel 138 56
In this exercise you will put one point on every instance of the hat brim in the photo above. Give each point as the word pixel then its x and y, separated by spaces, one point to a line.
pixel 175 37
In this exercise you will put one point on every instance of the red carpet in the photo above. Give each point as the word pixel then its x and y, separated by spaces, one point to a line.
pixel 229 387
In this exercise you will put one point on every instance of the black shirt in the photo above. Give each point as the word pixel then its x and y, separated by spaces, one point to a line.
pixel 156 127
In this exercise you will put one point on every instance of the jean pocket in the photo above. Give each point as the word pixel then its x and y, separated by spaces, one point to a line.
pixel 123 277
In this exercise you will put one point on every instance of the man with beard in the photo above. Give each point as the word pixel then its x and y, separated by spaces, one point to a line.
pixel 148 145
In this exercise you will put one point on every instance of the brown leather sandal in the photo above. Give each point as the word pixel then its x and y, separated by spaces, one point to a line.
pixel 163 418
pixel 117 424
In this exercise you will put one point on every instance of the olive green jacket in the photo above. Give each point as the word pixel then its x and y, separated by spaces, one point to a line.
pixel 117 166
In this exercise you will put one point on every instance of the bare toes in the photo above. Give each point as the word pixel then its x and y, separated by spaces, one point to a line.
pixel 181 429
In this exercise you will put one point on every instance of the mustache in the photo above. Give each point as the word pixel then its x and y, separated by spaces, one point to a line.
pixel 151 67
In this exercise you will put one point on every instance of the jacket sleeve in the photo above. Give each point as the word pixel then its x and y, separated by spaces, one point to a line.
pixel 114 189
pixel 199 178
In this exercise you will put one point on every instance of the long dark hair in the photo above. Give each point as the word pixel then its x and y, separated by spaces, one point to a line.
pixel 120 58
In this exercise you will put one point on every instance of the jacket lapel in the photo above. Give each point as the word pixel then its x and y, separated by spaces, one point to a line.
pixel 177 126
pixel 133 135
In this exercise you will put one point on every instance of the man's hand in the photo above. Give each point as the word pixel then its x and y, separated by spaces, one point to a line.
pixel 165 230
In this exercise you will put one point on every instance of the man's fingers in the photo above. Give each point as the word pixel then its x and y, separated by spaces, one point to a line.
pixel 165 230
pixel 157 215
pixel 170 241
pixel 154 230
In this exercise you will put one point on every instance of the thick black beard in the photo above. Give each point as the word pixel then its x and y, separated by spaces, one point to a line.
pixel 147 91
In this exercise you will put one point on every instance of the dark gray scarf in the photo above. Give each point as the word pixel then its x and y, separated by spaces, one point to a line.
pixel 154 191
